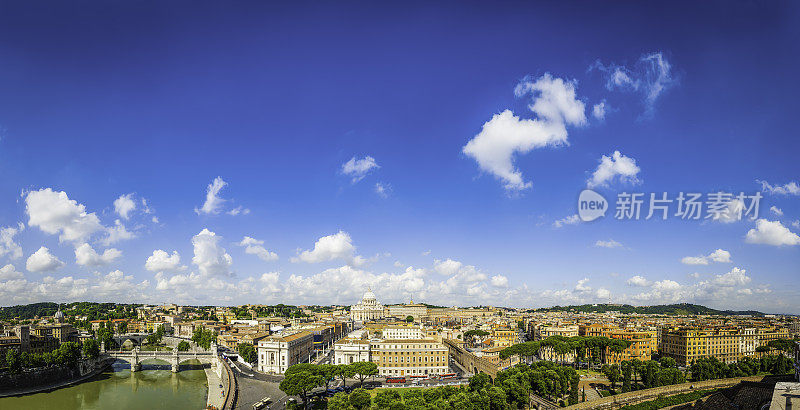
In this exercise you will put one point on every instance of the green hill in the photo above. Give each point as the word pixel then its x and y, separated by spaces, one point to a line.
pixel 669 310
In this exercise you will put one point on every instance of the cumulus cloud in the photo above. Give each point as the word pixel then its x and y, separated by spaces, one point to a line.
pixel 54 213
pixel 718 255
pixel 124 205
pixel 771 233
pixel 331 247
pixel 554 104
pixel 736 276
pixel 789 188
pixel 7 245
pixel 9 272
pixel 43 261
pixel 211 259
pixel 614 166
pixel 255 247
pixel 117 233
pixel 213 203
pixel 499 281
pixel 569 220
pixel 607 244
pixel 638 281
pixel 357 169
pixel 161 261
pixel 650 77
pixel 599 110
pixel 85 255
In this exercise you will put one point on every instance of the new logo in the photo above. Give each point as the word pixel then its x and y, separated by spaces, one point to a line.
pixel 591 205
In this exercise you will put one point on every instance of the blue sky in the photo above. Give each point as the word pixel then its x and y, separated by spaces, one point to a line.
pixel 153 102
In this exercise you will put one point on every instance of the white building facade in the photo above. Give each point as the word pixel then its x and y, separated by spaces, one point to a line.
pixel 278 353
pixel 351 350
pixel 367 309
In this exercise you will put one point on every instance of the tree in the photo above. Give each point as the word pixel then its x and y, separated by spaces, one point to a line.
pixel 203 337
pixel 410 319
pixel 123 327
pixel 343 372
pixel 299 384
pixel 364 370
pixel 339 402
pixel 479 382
pixel 360 398
pixel 13 361
pixel 247 351
pixel 385 397
pixel 91 349
pixel 612 373
pixel 328 372
pixel 183 346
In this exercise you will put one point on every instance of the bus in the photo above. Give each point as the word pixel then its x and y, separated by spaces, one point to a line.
pixel 449 376
pixel 396 379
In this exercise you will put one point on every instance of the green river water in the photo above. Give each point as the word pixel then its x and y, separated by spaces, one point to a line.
pixel 119 389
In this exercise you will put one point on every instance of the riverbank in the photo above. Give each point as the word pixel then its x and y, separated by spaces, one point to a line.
pixel 98 368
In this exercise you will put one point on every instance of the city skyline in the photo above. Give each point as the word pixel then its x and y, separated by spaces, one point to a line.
pixel 231 157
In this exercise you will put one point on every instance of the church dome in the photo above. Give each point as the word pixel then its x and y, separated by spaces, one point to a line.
pixel 59 314
pixel 369 295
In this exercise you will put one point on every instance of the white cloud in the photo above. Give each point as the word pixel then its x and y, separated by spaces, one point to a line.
pixel 328 248
pixel 796 223
pixel 161 261
pixel 85 255
pixel 9 272
pixel 447 267
pixel 651 76
pixel 772 233
pixel 124 205
pixel 255 247
pixel 213 203
pixel 607 244
pixel 210 258
pixel 638 281
pixel 718 255
pixel 357 169
pixel 732 213
pixel 790 188
pixel 603 293
pixel 735 277
pixel 569 220
pixel 581 286
pixel 239 210
pixel 775 210
pixel 7 244
pixel 117 233
pixel 616 165
pixel 43 261
pixel 54 213
pixel 555 105
pixel 499 281
pixel 599 110
pixel 383 189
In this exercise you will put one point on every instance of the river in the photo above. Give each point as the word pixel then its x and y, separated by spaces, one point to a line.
pixel 119 389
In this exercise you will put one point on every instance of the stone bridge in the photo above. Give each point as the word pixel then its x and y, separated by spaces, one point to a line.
pixel 136 356
pixel 135 338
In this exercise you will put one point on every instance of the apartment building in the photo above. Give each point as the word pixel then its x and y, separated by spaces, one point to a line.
pixel 689 344
pixel 545 331
pixel 409 357
pixel 276 353
pixel 402 332
pixel 504 336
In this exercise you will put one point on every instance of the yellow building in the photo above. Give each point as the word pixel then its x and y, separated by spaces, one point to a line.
pixel 643 344
pixel 504 337
pixel 690 344
pixel 402 357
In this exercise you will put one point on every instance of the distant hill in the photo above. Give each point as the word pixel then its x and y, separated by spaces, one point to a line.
pixel 670 310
